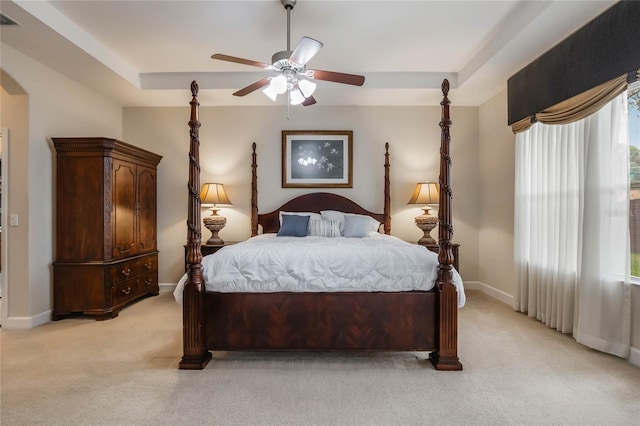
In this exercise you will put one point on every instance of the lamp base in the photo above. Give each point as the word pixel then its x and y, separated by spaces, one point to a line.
pixel 426 223
pixel 214 223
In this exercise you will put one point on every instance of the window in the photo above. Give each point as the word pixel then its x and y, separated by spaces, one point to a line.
pixel 634 169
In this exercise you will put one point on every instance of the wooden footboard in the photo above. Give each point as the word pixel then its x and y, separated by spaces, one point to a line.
pixel 320 321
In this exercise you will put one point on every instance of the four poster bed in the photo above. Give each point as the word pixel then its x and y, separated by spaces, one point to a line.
pixel 346 319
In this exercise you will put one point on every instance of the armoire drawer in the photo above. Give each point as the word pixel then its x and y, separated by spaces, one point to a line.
pixel 148 282
pixel 124 291
pixel 133 268
pixel 130 289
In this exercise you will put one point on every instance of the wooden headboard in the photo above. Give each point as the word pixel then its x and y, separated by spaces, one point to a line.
pixel 315 202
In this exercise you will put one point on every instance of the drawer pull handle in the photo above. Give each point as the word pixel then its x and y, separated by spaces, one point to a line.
pixel 148 266
pixel 148 281
pixel 126 272
pixel 126 291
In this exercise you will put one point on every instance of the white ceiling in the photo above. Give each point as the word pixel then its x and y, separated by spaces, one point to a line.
pixel 145 53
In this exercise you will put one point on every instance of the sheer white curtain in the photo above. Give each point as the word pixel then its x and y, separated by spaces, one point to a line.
pixel 572 227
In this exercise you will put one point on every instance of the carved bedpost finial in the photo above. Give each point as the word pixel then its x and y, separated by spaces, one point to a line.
pixel 194 88
pixel 445 87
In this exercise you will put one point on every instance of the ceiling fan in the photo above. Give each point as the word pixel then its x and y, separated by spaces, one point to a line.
pixel 293 77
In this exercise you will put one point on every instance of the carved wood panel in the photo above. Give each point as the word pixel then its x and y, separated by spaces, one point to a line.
pixel 124 205
pixel 320 321
pixel 146 235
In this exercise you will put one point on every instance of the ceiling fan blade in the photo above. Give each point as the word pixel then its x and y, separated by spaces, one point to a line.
pixel 309 101
pixel 228 58
pixel 305 50
pixel 336 77
pixel 253 87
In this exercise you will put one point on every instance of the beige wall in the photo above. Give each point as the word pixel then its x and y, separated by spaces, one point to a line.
pixel 57 106
pixel 226 136
pixel 14 107
pixel 496 207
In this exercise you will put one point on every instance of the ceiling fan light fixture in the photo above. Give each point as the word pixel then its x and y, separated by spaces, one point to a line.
pixel 307 87
pixel 279 84
pixel 270 91
pixel 296 97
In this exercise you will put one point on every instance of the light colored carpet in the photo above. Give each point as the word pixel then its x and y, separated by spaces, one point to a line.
pixel 124 372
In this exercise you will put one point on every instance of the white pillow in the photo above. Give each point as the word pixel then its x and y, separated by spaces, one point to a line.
pixel 312 216
pixel 324 228
pixel 356 226
pixel 334 215
pixel 374 225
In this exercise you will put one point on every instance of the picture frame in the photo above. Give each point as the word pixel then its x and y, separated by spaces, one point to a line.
pixel 317 159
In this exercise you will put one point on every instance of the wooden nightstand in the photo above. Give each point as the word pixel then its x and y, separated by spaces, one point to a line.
pixel 206 249
pixel 454 249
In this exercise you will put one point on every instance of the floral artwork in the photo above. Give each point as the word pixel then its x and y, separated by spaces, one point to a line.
pixel 316 159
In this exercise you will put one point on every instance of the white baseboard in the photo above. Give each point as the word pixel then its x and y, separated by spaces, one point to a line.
pixel 634 357
pixel 27 322
pixel 167 286
pixel 490 291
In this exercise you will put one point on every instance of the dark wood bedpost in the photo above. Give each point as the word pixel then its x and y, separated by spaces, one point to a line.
pixel 387 192
pixel 446 355
pixel 254 192
pixel 195 356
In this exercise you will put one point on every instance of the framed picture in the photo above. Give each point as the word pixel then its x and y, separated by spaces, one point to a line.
pixel 317 158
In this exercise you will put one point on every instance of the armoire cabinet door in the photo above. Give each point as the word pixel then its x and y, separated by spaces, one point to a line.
pixel 146 239
pixel 124 208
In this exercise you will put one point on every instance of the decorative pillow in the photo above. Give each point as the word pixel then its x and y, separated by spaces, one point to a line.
pixel 310 214
pixel 356 226
pixel 324 228
pixel 334 215
pixel 293 226
pixel 374 225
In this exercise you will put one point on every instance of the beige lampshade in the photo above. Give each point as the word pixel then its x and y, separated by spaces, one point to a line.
pixel 426 193
pixel 213 194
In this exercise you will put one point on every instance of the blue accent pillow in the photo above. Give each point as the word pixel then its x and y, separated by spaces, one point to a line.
pixel 293 226
pixel 357 226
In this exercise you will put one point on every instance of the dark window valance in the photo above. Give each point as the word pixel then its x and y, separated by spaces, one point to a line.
pixel 605 48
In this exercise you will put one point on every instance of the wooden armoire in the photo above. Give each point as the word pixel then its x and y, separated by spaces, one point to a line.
pixel 106 226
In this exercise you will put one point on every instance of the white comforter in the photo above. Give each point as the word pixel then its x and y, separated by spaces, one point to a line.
pixel 267 263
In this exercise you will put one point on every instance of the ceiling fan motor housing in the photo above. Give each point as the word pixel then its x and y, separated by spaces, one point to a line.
pixel 280 62
pixel 281 58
